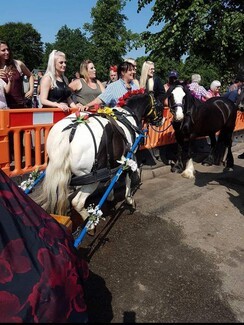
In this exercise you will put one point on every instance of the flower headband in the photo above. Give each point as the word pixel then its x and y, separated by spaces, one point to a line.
pixel 113 68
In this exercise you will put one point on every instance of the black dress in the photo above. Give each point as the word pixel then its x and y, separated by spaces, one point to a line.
pixel 59 94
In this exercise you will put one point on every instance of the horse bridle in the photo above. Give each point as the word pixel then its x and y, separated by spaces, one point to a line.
pixel 154 112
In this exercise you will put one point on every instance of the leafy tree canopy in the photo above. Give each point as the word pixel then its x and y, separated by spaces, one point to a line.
pixel 209 29
pixel 75 46
pixel 25 43
pixel 108 35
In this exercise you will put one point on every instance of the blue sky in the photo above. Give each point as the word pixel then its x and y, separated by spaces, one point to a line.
pixel 48 16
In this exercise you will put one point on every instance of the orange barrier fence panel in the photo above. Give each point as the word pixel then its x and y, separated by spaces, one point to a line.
pixel 25 131
pixel 29 128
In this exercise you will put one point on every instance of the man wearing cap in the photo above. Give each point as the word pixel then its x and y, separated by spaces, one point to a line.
pixel 232 94
pixel 235 88
pixel 173 76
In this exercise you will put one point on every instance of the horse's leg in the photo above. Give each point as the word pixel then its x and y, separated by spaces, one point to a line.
pixel 228 159
pixel 128 193
pixel 209 160
pixel 110 197
pixel 78 202
pixel 189 171
pixel 178 167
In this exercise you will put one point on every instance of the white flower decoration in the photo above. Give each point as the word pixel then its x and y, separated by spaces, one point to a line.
pixel 128 163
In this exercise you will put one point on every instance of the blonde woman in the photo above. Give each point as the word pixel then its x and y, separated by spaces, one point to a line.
pixel 86 88
pixel 54 89
pixel 150 82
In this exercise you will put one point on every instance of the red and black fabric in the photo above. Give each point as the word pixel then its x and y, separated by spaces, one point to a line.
pixel 41 275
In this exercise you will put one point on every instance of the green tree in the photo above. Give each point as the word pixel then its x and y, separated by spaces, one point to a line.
pixel 108 35
pixel 24 41
pixel 75 46
pixel 210 30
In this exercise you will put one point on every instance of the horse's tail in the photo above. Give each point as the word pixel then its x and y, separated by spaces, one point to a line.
pixel 55 188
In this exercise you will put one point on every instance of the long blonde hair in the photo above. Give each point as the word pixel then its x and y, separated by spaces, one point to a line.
pixel 51 69
pixel 84 69
pixel 144 75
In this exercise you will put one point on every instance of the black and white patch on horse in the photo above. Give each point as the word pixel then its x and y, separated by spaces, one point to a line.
pixel 192 119
pixel 79 162
pixel 240 99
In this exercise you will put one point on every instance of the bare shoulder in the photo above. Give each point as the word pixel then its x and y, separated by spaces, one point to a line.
pixel 75 84
pixel 46 80
pixel 23 67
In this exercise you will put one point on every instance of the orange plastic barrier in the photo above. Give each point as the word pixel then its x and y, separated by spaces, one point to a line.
pixel 36 123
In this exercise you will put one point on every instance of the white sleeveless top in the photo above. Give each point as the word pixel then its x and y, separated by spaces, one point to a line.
pixel 3 102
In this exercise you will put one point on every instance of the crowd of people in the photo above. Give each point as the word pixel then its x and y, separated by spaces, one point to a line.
pixel 19 88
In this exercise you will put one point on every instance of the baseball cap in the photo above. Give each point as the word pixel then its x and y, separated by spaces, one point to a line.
pixel 173 73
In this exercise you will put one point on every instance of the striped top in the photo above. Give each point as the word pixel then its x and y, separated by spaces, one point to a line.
pixel 114 91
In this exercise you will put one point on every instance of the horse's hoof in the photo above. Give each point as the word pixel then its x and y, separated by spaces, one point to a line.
pixel 176 170
pixel 130 201
pixel 188 175
pixel 228 169
pixel 91 231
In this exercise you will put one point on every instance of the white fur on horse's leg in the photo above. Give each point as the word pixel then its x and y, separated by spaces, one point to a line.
pixel 78 202
pixel 189 171
pixel 128 197
pixel 111 196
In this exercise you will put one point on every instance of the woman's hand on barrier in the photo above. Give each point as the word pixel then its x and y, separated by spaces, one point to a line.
pixel 63 106
pixel 82 108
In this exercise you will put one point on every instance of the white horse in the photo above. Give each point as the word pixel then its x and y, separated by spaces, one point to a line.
pixel 84 147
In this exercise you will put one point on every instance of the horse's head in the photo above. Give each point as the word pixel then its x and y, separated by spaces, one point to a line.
pixel 240 99
pixel 144 107
pixel 176 99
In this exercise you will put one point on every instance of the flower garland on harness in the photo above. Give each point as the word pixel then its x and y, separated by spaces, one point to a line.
pixel 122 100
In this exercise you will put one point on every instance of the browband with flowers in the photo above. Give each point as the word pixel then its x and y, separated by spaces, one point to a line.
pixel 122 100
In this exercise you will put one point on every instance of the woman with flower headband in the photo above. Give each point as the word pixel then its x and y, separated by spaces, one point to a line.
pixel 113 75
pixel 116 89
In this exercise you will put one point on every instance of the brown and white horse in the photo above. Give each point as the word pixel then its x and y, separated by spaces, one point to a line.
pixel 193 118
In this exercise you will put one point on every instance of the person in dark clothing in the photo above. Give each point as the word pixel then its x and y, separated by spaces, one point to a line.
pixel 42 276
pixel 232 94
pixel 151 82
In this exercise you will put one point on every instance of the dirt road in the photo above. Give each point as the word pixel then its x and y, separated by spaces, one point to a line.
pixel 179 257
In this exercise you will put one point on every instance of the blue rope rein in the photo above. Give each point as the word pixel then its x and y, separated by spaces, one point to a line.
pixel 97 212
